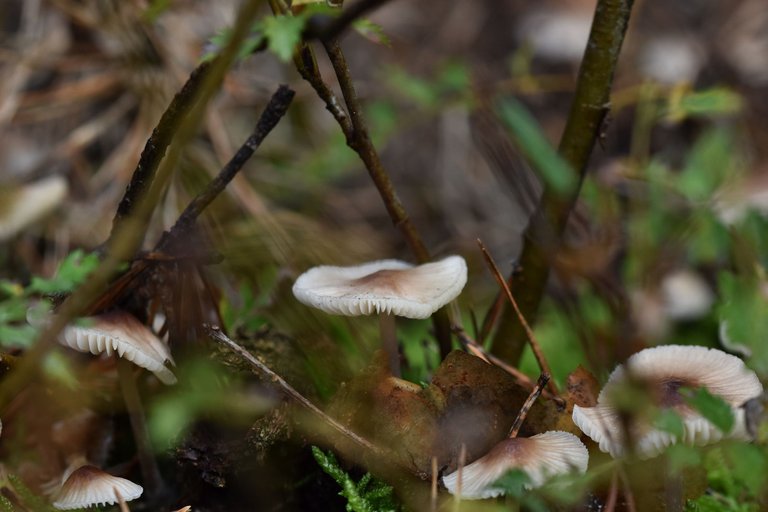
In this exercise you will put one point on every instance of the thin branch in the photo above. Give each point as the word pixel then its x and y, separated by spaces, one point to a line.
pixel 360 141
pixel 588 110
pixel 157 144
pixel 543 379
pixel 273 112
pixel 538 354
pixel 216 334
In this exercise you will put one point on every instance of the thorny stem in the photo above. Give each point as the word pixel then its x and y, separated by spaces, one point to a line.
pixel 360 141
pixel 543 379
pixel 588 110
pixel 216 334
pixel 538 354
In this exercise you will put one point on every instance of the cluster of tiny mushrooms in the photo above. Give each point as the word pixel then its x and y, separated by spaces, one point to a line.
pixel 392 287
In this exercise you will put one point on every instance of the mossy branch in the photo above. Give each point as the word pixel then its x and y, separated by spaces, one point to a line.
pixel 588 110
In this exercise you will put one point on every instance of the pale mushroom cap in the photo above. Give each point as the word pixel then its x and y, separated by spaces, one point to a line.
pixel 29 203
pixel 670 367
pixel 386 286
pixel 541 457
pixel 121 333
pixel 88 485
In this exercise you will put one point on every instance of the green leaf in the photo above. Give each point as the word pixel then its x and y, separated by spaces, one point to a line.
pixel 669 421
pixel 555 171
pixel 367 495
pixel 713 102
pixel 72 271
pixel 513 483
pixel 283 33
pixel 372 31
pixel 743 312
pixel 712 407
pixel 708 164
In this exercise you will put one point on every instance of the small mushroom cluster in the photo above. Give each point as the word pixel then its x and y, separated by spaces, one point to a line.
pixel 119 332
pixel 395 287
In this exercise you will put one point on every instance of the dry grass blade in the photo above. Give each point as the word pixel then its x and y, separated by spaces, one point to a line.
pixel 538 354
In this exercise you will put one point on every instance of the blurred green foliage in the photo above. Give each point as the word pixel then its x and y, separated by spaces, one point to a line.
pixel 365 495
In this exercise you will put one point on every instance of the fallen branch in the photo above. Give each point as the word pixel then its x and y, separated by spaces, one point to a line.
pixel 543 379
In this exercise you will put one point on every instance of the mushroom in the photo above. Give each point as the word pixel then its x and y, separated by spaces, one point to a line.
pixel 666 369
pixel 540 457
pixel 385 287
pixel 121 333
pixel 84 485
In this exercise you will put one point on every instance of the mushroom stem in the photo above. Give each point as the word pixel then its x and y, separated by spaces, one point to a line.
pixel 388 334
pixel 149 470
pixel 543 379
pixel 538 354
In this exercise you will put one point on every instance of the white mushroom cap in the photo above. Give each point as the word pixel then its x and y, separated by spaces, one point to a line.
pixel 123 334
pixel 26 204
pixel 386 286
pixel 667 368
pixel 88 485
pixel 541 457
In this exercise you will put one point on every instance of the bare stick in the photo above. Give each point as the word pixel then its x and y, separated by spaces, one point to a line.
pixel 272 114
pixel 538 354
pixel 360 141
pixel 613 493
pixel 543 379
pixel 588 109
pixel 215 333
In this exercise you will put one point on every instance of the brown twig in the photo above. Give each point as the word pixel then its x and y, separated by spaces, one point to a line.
pixel 543 379
pixel 216 334
pixel 613 492
pixel 538 354
pixel 272 114
pixel 589 108
pixel 360 141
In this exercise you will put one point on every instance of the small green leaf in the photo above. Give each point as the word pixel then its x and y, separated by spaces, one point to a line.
pixel 371 31
pixel 283 33
pixel 555 172
pixel 669 421
pixel 712 407
pixel 72 271
pixel 708 164
pixel 713 102
pixel 513 483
